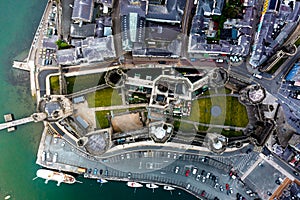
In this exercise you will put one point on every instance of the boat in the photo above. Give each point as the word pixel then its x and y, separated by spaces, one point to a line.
pixel 55 176
pixel 134 184
pixel 101 180
pixel 7 197
pixel 167 187
pixel 151 186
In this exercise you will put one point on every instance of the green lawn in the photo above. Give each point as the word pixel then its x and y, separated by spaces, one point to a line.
pixel 77 83
pixel 105 97
pixel 101 120
pixel 297 43
pixel 183 126
pixel 54 85
pixel 233 113
pixel 226 133
pixel 277 65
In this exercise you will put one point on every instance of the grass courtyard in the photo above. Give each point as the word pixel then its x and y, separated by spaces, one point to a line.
pixel 101 120
pixel 232 112
pixel 105 97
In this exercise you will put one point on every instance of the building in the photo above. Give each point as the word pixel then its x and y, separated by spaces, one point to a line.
pixel 83 10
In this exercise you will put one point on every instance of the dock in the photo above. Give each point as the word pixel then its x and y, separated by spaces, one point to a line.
pixel 21 65
pixel 9 118
pixel 11 124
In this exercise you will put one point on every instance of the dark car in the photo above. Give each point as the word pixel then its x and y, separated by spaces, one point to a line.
pixel 269 193
pixel 203 193
pixel 296 173
pixel 101 171
pixel 90 170
pixel 202 172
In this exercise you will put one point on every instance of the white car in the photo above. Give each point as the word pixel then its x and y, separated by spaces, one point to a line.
pixel 207 175
pixel 203 179
pixel 198 177
pixel 176 169
pixel 194 170
pixel 188 186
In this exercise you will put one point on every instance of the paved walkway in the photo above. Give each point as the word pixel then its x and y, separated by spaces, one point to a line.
pixel 213 125
pixel 119 107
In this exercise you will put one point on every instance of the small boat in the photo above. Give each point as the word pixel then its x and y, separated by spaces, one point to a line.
pixel 167 187
pixel 151 186
pixel 7 197
pixel 134 184
pixel 101 180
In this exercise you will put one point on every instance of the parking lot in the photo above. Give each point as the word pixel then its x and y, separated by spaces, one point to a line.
pixel 191 172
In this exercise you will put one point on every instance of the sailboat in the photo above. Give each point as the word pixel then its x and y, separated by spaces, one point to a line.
pixel 169 188
pixel 101 180
pixel 134 184
pixel 151 186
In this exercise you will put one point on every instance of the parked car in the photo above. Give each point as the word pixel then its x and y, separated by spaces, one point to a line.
pixel 187 172
pixel 188 186
pixel 198 177
pixel 221 188
pixel 296 173
pixel 176 170
pixel 202 172
pixel 208 175
pixel 95 171
pixel 194 170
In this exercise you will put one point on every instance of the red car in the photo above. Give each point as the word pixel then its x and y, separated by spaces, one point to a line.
pixel 227 186
pixel 187 172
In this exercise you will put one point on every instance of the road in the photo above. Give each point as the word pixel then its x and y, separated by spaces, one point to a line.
pixel 155 166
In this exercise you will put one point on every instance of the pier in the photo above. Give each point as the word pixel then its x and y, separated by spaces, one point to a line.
pixel 7 125
pixel 21 65
pixel 36 117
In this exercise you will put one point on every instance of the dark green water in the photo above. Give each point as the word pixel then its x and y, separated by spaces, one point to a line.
pixel 18 21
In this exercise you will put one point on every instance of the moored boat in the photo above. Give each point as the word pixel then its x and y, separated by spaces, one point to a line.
pixel 55 176
pixel 101 180
pixel 134 184
pixel 167 187
pixel 151 186
pixel 7 197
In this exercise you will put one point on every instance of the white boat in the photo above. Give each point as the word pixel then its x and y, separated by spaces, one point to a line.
pixel 101 180
pixel 151 186
pixel 55 176
pixel 134 184
pixel 7 197
pixel 167 187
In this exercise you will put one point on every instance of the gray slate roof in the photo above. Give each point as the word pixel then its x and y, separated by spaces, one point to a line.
pixel 83 10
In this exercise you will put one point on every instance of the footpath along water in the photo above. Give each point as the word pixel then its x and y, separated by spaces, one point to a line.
pixel 19 20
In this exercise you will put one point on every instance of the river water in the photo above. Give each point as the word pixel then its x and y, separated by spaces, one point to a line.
pixel 18 21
